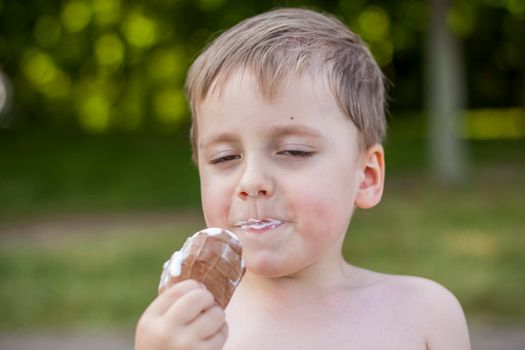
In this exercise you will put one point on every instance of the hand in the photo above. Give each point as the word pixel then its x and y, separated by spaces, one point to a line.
pixel 185 316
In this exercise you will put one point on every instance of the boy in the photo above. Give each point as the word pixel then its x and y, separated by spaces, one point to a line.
pixel 288 120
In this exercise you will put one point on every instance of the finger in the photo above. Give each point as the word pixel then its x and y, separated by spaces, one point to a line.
pixel 217 340
pixel 190 305
pixel 162 303
pixel 209 322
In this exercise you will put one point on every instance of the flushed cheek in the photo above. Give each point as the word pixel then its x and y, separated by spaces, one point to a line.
pixel 324 209
pixel 317 216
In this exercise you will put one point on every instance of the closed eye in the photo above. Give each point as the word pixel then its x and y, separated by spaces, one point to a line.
pixel 224 159
pixel 296 153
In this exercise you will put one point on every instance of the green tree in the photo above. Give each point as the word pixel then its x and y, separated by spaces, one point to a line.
pixel 120 64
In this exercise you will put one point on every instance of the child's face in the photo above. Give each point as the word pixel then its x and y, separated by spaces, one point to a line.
pixel 282 175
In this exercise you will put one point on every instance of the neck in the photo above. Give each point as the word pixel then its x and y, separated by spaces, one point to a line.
pixel 312 283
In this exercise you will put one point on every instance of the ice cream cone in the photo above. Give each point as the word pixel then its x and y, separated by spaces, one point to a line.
pixel 213 257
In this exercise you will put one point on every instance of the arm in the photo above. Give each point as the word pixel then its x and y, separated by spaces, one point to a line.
pixel 183 317
pixel 447 326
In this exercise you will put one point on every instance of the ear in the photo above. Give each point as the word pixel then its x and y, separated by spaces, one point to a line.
pixel 372 177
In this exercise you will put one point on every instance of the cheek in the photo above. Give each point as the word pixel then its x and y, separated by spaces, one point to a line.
pixel 326 203
pixel 215 204
pixel 324 213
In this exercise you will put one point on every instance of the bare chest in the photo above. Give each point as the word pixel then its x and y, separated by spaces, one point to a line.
pixel 339 329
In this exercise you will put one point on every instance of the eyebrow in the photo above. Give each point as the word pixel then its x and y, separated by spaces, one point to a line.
pixel 300 130
pixel 222 137
pixel 277 131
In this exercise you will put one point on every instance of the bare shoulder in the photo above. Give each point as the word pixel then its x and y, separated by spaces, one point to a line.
pixel 433 308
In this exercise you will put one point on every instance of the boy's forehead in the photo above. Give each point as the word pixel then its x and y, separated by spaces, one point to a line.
pixel 242 79
pixel 233 83
pixel 241 94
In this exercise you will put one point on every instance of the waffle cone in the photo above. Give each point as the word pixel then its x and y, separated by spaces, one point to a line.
pixel 212 257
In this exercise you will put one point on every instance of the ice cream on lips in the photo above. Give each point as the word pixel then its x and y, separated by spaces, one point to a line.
pixel 258 224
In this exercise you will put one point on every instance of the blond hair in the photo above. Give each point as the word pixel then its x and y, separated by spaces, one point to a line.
pixel 281 44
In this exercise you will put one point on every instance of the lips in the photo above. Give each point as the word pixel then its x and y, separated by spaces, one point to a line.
pixel 258 225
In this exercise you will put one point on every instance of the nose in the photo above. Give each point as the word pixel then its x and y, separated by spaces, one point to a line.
pixel 256 180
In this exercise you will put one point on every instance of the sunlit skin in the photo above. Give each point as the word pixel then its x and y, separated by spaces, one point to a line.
pixel 286 175
pixel 297 161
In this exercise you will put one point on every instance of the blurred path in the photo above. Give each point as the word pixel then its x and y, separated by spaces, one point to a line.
pixel 498 337
pixel 484 337
pixel 46 226
pixel 66 341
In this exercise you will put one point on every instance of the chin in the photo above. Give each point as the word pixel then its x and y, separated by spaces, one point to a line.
pixel 269 267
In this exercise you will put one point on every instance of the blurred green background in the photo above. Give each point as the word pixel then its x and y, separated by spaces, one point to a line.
pixel 97 187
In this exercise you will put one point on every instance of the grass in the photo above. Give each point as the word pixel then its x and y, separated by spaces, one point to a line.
pixel 68 172
pixel 469 238
pixel 89 280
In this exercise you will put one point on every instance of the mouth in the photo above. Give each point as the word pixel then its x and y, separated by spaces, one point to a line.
pixel 258 225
